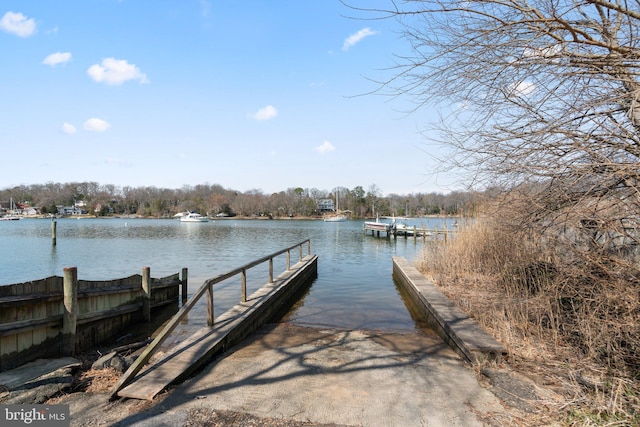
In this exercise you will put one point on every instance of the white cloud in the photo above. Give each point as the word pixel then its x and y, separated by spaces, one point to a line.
pixel 353 39
pixel 115 72
pixel 96 125
pixel 57 58
pixel 68 128
pixel 522 88
pixel 18 24
pixel 325 147
pixel 265 113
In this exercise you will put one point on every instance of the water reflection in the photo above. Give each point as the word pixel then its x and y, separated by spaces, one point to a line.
pixel 354 288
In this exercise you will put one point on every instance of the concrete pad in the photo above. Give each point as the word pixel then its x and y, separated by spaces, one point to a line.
pixel 335 377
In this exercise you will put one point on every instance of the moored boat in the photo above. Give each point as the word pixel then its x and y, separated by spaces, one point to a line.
pixel 377 225
pixel 193 217
pixel 10 216
pixel 337 217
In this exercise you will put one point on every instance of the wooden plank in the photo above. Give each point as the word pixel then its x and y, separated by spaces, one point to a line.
pixel 206 341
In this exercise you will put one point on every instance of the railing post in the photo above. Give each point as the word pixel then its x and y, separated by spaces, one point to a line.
pixel 70 317
pixel 288 260
pixel 300 253
pixel 210 314
pixel 244 284
pixel 184 277
pixel 146 294
pixel 271 270
pixel 309 247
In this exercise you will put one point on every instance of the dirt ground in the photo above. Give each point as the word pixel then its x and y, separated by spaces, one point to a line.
pixel 533 391
pixel 519 398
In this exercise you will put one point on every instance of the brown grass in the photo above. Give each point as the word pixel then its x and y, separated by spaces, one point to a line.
pixel 570 322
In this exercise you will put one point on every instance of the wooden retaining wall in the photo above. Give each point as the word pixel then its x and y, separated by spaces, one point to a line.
pixel 59 316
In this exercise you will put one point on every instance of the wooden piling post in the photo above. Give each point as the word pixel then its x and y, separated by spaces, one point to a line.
pixel 53 231
pixel 146 293
pixel 70 316
pixel 184 286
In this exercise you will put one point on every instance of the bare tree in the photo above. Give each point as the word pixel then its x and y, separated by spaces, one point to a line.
pixel 541 100
pixel 541 96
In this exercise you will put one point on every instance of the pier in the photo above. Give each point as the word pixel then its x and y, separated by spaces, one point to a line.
pixel 222 332
pixel 388 230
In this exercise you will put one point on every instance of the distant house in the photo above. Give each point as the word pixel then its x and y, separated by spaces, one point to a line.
pixel 71 210
pixel 103 209
pixel 29 211
pixel 325 205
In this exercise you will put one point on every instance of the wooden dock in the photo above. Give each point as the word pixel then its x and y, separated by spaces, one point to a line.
pixel 388 230
pixel 227 330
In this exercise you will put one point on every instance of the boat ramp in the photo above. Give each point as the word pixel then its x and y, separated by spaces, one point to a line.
pixel 147 377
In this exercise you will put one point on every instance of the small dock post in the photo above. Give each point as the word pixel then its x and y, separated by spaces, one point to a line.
pixel 53 231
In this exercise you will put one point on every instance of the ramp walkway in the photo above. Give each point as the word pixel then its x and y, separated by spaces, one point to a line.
pixel 145 382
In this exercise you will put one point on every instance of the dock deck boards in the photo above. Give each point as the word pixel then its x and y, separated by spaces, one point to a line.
pixel 199 348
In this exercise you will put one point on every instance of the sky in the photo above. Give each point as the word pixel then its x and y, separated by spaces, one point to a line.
pixel 251 95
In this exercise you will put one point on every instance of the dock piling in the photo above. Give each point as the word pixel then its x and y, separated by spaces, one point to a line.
pixel 70 317
pixel 53 231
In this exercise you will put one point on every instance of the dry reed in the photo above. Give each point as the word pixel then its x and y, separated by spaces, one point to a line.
pixel 570 320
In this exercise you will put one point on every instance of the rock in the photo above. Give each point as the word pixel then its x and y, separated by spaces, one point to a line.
pixel 515 390
pixel 118 363
pixel 111 360
pixel 104 362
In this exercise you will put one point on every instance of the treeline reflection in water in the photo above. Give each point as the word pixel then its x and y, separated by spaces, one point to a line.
pixel 354 288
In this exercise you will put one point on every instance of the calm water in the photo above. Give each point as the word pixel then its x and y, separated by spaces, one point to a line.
pixel 354 288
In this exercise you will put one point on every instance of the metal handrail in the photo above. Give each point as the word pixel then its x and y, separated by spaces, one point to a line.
pixel 207 286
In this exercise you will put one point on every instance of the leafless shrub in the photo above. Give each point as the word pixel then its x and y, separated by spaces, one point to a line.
pixel 556 303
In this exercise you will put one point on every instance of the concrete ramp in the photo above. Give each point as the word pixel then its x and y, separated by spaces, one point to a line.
pixel 229 329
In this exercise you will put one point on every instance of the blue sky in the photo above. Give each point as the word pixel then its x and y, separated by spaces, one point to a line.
pixel 249 95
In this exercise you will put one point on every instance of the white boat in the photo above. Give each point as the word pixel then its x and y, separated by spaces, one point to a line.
pixel 193 217
pixel 403 229
pixel 11 216
pixel 377 225
pixel 335 218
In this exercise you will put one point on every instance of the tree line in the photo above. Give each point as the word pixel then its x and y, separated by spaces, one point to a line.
pixel 213 199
